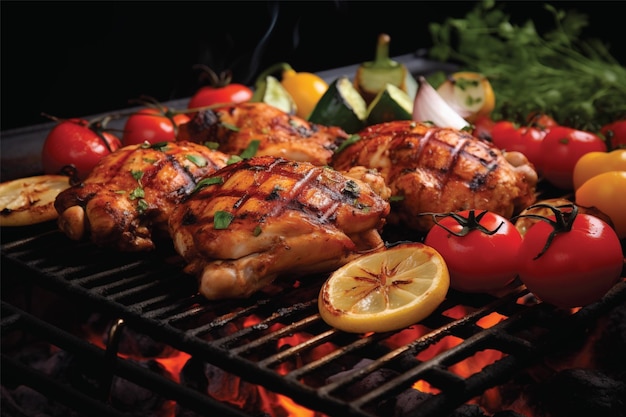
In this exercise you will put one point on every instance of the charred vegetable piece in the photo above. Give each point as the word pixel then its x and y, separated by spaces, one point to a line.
pixel 372 76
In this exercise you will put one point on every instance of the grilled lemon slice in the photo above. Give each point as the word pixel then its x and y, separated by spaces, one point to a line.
pixel 386 290
pixel 30 200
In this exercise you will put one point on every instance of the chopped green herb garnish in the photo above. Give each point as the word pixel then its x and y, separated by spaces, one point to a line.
pixel 197 160
pixel 251 149
pixel 159 146
pixel 212 145
pixel 208 181
pixel 233 158
pixel 137 175
pixel 230 127
pixel 257 231
pixel 137 193
pixel 222 219
pixel 396 198
pixel 351 188
pixel 142 205
pixel 352 139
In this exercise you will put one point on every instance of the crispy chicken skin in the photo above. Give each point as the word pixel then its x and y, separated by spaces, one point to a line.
pixel 285 217
pixel 440 170
pixel 130 194
pixel 279 134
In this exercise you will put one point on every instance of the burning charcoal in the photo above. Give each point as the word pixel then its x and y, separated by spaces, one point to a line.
pixel 24 401
pixel 407 401
pixel 507 413
pixel 128 396
pixel 220 385
pixel 580 392
pixel 610 347
pixel 365 385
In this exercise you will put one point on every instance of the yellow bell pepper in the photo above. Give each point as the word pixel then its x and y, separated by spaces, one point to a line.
pixel 594 163
pixel 305 88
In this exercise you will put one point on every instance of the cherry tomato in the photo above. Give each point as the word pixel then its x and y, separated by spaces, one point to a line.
pixel 562 148
pixel 577 267
pixel 152 125
pixel 228 94
pixel 479 247
pixel 508 136
pixel 615 134
pixel 76 143
pixel 483 125
pixel 541 121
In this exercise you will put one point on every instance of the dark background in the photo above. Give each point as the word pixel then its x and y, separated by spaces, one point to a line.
pixel 72 59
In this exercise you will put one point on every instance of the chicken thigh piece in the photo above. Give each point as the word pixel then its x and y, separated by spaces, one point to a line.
pixel 129 195
pixel 431 169
pixel 263 217
pixel 279 134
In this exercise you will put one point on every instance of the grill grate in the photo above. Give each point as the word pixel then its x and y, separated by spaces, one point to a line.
pixel 277 339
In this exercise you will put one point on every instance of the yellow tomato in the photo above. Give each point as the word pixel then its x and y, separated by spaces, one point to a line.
pixel 593 163
pixel 607 193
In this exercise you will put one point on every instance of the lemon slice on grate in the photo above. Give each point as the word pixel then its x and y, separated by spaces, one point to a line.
pixel 469 93
pixel 386 290
pixel 30 200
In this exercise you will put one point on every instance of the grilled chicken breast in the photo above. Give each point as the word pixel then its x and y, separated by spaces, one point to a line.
pixel 440 170
pixel 279 134
pixel 265 216
pixel 131 192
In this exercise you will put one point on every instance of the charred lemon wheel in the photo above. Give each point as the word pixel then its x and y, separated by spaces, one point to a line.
pixel 469 93
pixel 386 290
pixel 30 200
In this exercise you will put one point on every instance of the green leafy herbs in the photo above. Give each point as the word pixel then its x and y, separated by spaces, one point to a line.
pixel 577 81
pixel 206 182
pixel 138 193
pixel 197 160
pixel 222 219
pixel 349 141
pixel 247 153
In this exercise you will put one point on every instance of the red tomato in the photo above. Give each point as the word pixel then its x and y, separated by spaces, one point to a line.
pixel 74 143
pixel 526 139
pixel 562 148
pixel 578 267
pixel 615 134
pixel 541 121
pixel 228 94
pixel 477 261
pixel 152 125
pixel 482 127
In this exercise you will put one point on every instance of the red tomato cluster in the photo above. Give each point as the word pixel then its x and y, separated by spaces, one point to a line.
pixel 552 148
pixel 568 260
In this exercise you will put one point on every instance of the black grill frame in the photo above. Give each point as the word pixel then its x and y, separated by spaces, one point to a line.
pixel 150 292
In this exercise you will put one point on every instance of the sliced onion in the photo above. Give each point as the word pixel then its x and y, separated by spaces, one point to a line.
pixel 429 106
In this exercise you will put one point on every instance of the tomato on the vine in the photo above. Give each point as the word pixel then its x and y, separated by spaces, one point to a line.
pixel 76 143
pixel 220 91
pixel 508 136
pixel 615 134
pixel 570 259
pixel 152 125
pixel 479 247
pixel 562 147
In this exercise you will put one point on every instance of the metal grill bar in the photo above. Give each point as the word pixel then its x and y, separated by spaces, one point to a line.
pixel 241 337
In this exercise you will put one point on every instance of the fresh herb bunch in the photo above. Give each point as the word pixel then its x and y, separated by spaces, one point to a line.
pixel 578 82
